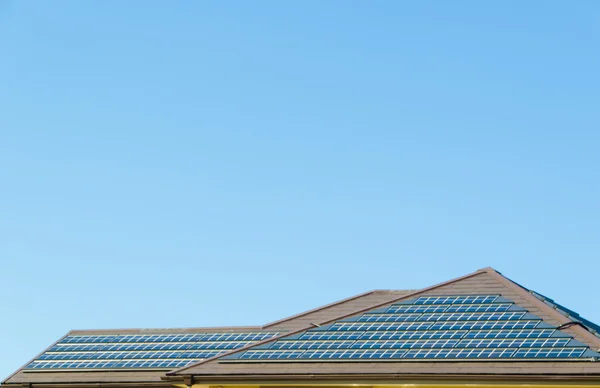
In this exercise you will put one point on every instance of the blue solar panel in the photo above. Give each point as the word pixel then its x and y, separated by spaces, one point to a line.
pixel 484 325
pixel 389 317
pixel 343 326
pixel 395 308
pixel 147 351
pixel 473 299
pixel 526 333
pixel 550 353
pixel 328 335
pixel 413 334
pixel 311 344
pixel 130 364
pixel 462 327
pixel 514 342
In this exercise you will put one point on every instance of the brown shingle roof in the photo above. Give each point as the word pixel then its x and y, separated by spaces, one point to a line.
pixel 295 322
pixel 483 282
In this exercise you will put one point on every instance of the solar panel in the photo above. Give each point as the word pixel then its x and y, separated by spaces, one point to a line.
pixel 550 353
pixel 526 333
pixel 327 335
pixel 472 299
pixel 415 334
pixel 462 327
pixel 146 351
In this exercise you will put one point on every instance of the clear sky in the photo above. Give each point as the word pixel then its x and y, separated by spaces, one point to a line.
pixel 198 163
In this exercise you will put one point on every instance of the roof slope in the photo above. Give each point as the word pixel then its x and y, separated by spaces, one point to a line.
pixel 143 355
pixel 486 282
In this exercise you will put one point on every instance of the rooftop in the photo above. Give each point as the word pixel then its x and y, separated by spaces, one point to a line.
pixel 481 324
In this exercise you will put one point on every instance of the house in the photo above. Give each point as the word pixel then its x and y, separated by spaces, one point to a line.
pixel 481 329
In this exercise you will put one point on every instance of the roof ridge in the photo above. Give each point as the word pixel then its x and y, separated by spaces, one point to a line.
pixel 377 305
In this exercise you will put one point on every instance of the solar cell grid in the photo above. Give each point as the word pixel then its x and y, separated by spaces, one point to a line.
pixel 513 342
pixel 549 353
pixel 311 344
pixel 388 317
pixel 484 325
pixel 271 354
pixel 526 333
pixel 494 307
pixel 492 316
pixel 353 354
pixel 107 351
pixel 469 299
pixel 379 326
pixel 160 364
pixel 413 334
pixel 324 335
pixel 401 308
pixel 127 355
pixel 395 344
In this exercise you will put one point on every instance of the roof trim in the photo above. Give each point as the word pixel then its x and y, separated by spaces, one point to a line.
pixel 407 296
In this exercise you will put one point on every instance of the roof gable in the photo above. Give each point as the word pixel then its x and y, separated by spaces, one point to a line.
pixel 397 331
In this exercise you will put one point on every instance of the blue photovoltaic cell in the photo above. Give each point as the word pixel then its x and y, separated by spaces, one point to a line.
pixel 148 351
pixel 389 318
pixel 131 364
pixel 495 307
pixel 271 354
pixel 151 346
pixel 402 308
pixel 514 342
pixel 477 299
pixel 500 316
pixel 550 353
pixel 478 308
pixel 398 344
pixel 484 325
pixel 416 334
pixel 342 326
pixel 327 335
pixel 459 353
pixel 125 355
pixel 466 327
pixel 525 333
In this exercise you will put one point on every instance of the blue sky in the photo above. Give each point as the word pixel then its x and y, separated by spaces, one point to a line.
pixel 177 164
